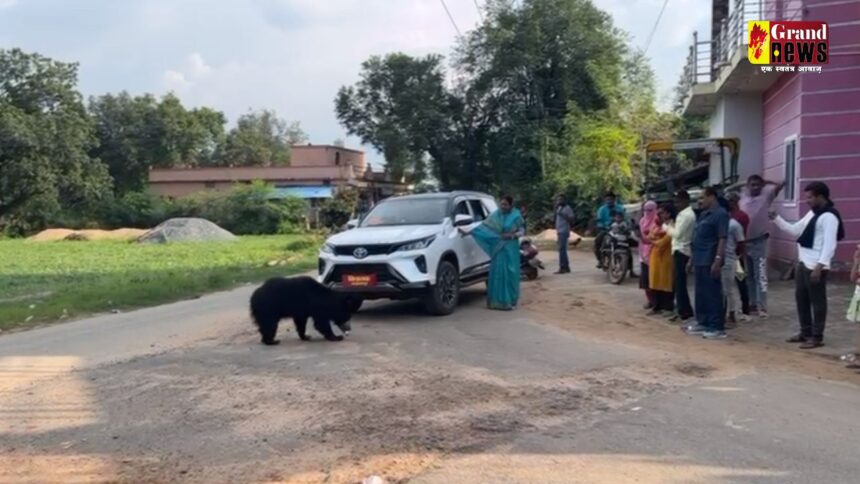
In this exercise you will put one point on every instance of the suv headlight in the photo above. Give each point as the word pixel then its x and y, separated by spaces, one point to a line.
pixel 416 245
pixel 327 248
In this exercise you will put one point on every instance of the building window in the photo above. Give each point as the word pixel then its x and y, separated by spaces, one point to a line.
pixel 790 169
pixel 337 158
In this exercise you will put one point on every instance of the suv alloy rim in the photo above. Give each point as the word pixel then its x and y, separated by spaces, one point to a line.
pixel 448 287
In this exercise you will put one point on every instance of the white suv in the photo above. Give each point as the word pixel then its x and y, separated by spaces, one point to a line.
pixel 409 247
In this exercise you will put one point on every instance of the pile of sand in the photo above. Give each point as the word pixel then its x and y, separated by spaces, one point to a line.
pixel 51 234
pixel 68 234
pixel 186 230
pixel 550 235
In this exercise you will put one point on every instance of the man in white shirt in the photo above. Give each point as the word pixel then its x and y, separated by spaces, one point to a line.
pixel 817 235
pixel 681 232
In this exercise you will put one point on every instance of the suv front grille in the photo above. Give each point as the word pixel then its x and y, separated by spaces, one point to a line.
pixel 371 249
pixel 384 273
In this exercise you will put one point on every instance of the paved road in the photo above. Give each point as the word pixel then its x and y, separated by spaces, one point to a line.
pixel 185 393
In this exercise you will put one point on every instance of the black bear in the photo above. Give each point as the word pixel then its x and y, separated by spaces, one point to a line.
pixel 299 298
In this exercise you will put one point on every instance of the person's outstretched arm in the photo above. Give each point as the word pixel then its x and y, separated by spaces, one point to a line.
pixel 793 229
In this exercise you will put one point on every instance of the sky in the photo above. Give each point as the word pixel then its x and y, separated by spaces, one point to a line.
pixel 286 55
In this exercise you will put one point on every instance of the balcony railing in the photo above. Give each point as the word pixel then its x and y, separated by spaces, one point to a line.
pixel 707 58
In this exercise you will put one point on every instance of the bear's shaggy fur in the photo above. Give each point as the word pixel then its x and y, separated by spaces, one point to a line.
pixel 299 298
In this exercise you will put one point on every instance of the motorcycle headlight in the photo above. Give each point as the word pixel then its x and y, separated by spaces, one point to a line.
pixel 327 248
pixel 416 245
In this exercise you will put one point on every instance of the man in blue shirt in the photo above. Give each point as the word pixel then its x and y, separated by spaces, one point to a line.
pixel 708 256
pixel 605 215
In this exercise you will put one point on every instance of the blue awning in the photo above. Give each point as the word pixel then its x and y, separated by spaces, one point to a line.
pixel 306 192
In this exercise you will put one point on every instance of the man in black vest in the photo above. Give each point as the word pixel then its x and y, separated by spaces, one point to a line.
pixel 817 234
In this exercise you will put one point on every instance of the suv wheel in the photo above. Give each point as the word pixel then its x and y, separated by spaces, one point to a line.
pixel 445 295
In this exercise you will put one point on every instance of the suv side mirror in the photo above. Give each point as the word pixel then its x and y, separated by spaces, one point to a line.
pixel 463 220
pixel 352 224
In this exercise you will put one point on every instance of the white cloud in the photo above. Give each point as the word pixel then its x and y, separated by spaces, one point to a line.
pixel 175 81
pixel 197 66
pixel 7 4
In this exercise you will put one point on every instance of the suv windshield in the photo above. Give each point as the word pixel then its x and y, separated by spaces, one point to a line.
pixel 425 211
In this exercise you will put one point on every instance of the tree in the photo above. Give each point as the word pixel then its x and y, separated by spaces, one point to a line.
pixel 600 157
pixel 634 106
pixel 45 136
pixel 210 136
pixel 128 138
pixel 339 142
pixel 525 67
pixel 516 76
pixel 545 98
pixel 261 139
pixel 400 107
pixel 295 135
pixel 139 133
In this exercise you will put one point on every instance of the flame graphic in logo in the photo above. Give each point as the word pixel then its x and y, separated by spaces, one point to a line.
pixel 757 38
pixel 759 42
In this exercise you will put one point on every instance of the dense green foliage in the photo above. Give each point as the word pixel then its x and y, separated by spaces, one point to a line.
pixel 55 280
pixel 138 133
pixel 547 99
pixel 336 211
pixel 45 137
pixel 244 210
pixel 261 139
pixel 64 163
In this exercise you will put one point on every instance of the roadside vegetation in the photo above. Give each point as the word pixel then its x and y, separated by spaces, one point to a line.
pixel 51 281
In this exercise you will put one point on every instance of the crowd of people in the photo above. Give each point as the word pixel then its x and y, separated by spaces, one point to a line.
pixel 724 248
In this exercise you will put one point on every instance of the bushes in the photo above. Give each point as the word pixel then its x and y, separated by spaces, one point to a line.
pixel 335 212
pixel 294 219
pixel 139 210
pixel 245 210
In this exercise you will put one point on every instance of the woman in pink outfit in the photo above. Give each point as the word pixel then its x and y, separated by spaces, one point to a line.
pixel 647 223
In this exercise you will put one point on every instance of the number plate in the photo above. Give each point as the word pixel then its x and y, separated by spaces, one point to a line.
pixel 359 280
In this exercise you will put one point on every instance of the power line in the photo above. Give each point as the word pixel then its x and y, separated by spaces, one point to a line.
pixel 451 18
pixel 480 13
pixel 653 30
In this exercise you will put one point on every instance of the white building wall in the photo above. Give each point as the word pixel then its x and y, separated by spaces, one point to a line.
pixel 740 116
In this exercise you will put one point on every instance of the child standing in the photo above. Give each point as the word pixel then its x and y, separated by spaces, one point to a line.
pixel 854 305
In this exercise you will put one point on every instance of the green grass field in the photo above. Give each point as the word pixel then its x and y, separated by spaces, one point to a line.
pixel 51 281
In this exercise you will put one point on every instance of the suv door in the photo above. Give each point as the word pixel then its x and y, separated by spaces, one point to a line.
pixel 482 209
pixel 466 247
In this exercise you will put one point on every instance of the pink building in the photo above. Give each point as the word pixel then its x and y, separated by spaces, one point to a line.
pixel 793 126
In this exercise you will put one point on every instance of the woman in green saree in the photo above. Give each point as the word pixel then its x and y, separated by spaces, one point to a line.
pixel 498 236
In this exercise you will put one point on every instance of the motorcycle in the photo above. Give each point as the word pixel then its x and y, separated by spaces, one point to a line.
pixel 617 256
pixel 529 261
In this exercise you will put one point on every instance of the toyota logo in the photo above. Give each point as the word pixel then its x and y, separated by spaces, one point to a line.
pixel 360 253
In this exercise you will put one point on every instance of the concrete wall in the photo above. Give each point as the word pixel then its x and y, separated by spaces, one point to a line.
pixel 323 155
pixel 740 116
